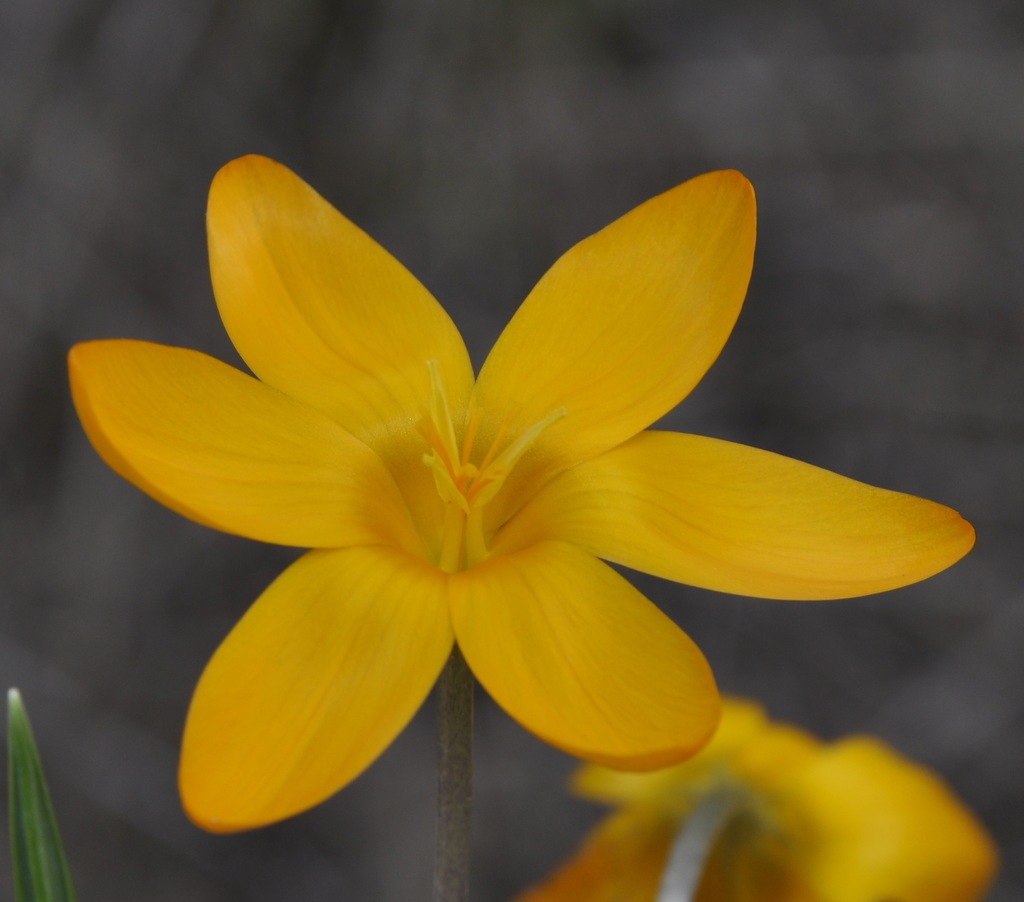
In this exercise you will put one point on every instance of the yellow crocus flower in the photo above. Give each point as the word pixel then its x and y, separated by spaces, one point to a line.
pixel 849 821
pixel 445 508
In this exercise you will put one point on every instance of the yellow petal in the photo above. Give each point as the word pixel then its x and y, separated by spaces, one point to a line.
pixel 622 860
pixel 312 685
pixel 881 827
pixel 579 657
pixel 724 516
pixel 321 311
pixel 227 451
pixel 626 323
pixel 774 756
pixel 743 867
pixel 745 743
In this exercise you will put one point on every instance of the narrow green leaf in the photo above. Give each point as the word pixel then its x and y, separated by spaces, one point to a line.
pixel 40 870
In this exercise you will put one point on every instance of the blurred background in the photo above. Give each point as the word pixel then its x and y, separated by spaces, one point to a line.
pixel 881 338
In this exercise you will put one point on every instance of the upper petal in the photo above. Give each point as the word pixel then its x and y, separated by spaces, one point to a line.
pixel 227 451
pixel 312 685
pixel 321 311
pixel 579 657
pixel 725 516
pixel 624 325
pixel 881 827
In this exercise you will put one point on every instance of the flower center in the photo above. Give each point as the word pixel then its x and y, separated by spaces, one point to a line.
pixel 465 486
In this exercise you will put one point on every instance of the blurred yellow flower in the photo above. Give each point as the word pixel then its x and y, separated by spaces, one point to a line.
pixel 445 508
pixel 850 821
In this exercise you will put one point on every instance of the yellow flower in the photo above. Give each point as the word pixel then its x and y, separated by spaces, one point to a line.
pixel 850 821
pixel 445 508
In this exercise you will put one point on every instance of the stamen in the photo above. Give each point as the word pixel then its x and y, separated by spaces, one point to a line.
pixel 513 452
pixel 463 486
pixel 471 429
pixel 452 557
pixel 447 487
pixel 441 413
pixel 493 475
pixel 493 450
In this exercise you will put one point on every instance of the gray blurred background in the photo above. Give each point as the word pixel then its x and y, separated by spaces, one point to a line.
pixel 477 141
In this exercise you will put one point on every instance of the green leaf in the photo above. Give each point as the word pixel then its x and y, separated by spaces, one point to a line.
pixel 40 870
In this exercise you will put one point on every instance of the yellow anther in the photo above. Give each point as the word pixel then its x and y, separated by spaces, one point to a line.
pixel 441 414
pixel 495 473
pixel 464 486
pixel 447 487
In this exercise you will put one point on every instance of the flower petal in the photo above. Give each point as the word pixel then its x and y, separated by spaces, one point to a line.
pixel 882 827
pixel 227 451
pixel 626 323
pixel 742 729
pixel 321 311
pixel 728 517
pixel 622 860
pixel 742 868
pixel 312 685
pixel 579 657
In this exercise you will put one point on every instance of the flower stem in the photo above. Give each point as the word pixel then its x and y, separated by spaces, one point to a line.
pixel 693 845
pixel 454 780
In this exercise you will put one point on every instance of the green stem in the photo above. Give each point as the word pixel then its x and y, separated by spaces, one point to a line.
pixel 454 780
pixel 693 845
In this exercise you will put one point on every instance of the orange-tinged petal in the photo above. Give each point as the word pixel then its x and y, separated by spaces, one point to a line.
pixel 724 516
pixel 881 827
pixel 321 311
pixel 744 869
pixel 626 323
pixel 745 744
pixel 312 685
pixel 579 657
pixel 846 822
pixel 227 451
pixel 622 860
